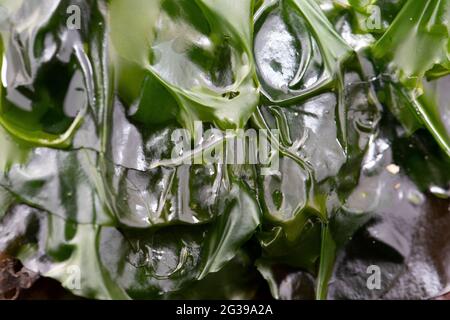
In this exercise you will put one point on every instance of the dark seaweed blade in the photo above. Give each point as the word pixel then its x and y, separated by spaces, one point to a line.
pixel 405 237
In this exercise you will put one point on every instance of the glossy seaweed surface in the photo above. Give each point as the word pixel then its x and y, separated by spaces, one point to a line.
pixel 359 91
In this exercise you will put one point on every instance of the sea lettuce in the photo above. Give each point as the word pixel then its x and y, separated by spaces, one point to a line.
pixel 92 196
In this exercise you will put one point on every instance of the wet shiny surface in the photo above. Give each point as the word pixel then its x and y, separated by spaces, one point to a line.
pixel 87 179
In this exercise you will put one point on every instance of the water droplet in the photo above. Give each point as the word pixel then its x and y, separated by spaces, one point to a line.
pixel 393 169
pixel 440 192
pixel 415 197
